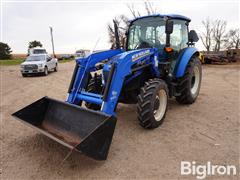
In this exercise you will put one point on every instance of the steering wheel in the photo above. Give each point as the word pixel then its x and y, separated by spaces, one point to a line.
pixel 148 42
pixel 151 40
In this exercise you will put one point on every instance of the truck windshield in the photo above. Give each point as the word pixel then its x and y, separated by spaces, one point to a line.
pixel 39 51
pixel 146 33
pixel 80 54
pixel 35 58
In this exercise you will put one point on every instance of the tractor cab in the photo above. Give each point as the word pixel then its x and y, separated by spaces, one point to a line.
pixel 169 34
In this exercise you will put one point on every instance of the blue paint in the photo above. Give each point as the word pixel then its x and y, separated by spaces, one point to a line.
pixel 86 65
pixel 172 16
pixel 123 61
pixel 183 61
pixel 89 99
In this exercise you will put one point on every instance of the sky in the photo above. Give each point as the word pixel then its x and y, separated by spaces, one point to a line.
pixel 83 24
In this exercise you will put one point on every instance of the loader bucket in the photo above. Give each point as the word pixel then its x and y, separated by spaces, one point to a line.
pixel 73 126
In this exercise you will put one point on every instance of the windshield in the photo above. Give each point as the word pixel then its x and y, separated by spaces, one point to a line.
pixel 35 58
pixel 146 33
pixel 150 32
pixel 80 54
pixel 39 51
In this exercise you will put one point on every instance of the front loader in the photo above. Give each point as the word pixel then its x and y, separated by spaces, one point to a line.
pixel 158 62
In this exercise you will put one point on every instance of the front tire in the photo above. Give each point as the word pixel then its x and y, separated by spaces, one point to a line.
pixel 45 71
pixel 56 68
pixel 152 103
pixel 189 85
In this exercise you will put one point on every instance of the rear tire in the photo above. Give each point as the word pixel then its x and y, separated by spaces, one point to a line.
pixel 189 85
pixel 94 86
pixel 152 103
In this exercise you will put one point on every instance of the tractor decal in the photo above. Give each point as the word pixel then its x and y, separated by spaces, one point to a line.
pixel 137 56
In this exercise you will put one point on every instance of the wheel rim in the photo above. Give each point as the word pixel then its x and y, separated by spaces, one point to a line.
pixel 195 80
pixel 160 105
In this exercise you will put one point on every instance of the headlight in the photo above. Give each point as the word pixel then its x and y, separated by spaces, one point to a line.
pixel 40 65
pixel 22 66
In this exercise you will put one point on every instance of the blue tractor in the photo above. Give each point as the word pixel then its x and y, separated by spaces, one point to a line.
pixel 157 62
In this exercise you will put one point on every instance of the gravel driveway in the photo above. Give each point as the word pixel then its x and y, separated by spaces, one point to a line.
pixel 207 130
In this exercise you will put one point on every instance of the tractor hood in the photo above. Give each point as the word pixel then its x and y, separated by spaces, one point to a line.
pixel 134 55
pixel 127 57
pixel 100 56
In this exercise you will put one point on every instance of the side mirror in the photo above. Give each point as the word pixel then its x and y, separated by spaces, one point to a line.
pixel 49 59
pixel 192 36
pixel 169 27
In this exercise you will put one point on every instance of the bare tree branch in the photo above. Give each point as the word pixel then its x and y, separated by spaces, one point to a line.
pixel 206 36
pixel 232 39
pixel 122 21
pixel 219 29
pixel 149 7
pixel 135 13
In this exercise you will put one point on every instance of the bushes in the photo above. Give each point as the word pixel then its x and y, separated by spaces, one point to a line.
pixel 5 51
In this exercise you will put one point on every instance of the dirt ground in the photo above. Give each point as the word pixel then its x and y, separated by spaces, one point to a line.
pixel 207 130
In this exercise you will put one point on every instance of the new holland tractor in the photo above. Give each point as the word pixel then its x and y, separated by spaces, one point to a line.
pixel 158 62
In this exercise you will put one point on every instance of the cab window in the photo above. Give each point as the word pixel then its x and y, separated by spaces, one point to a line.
pixel 179 37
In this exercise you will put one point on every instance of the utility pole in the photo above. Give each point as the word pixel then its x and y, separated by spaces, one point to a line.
pixel 51 33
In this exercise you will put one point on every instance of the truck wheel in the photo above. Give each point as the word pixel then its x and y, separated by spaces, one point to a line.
pixel 45 71
pixel 152 103
pixel 94 86
pixel 24 75
pixel 56 68
pixel 189 84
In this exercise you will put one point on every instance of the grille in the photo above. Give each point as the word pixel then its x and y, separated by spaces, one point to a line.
pixel 30 67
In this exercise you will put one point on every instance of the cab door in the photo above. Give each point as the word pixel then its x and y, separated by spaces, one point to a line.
pixel 178 40
pixel 50 62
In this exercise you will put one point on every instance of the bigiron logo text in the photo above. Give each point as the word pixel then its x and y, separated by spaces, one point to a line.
pixel 201 171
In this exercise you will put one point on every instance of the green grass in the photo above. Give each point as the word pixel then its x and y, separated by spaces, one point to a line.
pixel 9 62
pixel 17 61
pixel 65 60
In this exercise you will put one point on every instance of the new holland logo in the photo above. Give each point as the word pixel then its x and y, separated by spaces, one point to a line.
pixel 140 55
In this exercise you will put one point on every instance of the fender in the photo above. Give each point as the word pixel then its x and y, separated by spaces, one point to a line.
pixel 123 67
pixel 183 60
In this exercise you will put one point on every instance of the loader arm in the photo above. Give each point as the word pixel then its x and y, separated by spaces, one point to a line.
pixel 119 66
pixel 83 67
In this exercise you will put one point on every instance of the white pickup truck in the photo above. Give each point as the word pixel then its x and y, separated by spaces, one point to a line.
pixel 36 50
pixel 39 63
pixel 81 53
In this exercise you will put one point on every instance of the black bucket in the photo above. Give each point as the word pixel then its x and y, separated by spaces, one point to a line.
pixel 77 128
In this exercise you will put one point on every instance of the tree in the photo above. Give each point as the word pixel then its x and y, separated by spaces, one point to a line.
pixel 219 29
pixel 206 36
pixel 122 22
pixel 34 43
pixel 148 6
pixel 232 39
pixel 5 51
